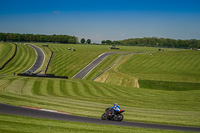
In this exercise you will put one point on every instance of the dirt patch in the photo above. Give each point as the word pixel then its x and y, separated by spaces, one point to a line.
pixel 102 78
pixel 136 84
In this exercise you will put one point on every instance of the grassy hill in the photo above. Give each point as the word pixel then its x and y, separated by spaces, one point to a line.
pixel 159 70
pixel 87 98
pixel 180 66
pixel 6 52
pixel 5 49
pixel 68 62
pixel 23 60
pixel 149 103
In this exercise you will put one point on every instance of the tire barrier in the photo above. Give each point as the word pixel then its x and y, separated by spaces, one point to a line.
pixel 43 75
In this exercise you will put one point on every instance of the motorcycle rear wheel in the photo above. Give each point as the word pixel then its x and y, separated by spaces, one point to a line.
pixel 103 117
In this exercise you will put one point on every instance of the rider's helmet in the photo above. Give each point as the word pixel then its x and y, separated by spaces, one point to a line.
pixel 115 104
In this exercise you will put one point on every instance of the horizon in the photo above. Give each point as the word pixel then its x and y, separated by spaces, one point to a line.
pixel 79 39
pixel 103 20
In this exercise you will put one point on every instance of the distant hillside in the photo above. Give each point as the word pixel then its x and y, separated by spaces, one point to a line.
pixel 160 42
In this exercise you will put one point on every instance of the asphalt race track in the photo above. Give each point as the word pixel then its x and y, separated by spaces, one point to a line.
pixel 40 58
pixel 22 111
pixel 92 65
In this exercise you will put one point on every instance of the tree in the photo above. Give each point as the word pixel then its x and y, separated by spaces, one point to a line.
pixel 88 41
pixel 116 42
pixel 103 42
pixel 108 42
pixel 83 40
pixel 2 37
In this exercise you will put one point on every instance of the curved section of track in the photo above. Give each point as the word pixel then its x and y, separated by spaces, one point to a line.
pixel 92 65
pixel 15 110
pixel 40 58
pixel 97 61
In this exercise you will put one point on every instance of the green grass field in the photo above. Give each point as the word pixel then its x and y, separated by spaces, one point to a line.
pixel 162 69
pixel 24 59
pixel 67 62
pixel 11 124
pixel 157 99
pixel 80 97
pixel 6 52
pixel 179 66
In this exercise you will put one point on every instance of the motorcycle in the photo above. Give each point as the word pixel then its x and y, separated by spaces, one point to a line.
pixel 109 116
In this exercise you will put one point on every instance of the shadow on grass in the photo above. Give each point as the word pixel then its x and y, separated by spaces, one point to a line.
pixel 171 86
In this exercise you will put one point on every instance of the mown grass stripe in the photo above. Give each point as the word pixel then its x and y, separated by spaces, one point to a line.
pixel 103 90
pixel 36 87
pixel 91 90
pixel 27 89
pixel 3 84
pixel 99 90
pixel 76 89
pixel 87 89
pixel 5 50
pixel 23 60
pixel 63 88
pixel 17 63
pixel 50 87
pixel 70 89
pixel 15 86
pixel 57 88
pixel 7 57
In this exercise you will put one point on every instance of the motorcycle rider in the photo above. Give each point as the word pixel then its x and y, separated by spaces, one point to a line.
pixel 115 108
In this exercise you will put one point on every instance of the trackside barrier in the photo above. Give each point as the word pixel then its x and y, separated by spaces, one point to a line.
pixel 43 75
pixel 48 62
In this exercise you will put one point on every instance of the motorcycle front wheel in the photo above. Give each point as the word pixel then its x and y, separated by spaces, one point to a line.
pixel 118 117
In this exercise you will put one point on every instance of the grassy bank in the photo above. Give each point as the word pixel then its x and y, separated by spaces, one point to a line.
pixel 23 60
pixel 68 62
pixel 176 66
pixel 87 98
pixel 159 69
pixel 19 124
pixel 7 50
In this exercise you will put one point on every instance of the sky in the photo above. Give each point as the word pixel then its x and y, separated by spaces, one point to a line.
pixel 103 19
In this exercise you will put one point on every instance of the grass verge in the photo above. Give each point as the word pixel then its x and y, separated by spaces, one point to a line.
pixel 23 60
pixel 6 52
pixel 19 124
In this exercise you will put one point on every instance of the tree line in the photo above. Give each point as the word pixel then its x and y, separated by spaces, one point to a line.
pixel 156 42
pixel 15 37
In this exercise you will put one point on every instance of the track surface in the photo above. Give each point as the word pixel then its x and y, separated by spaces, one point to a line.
pixel 15 110
pixel 40 58
pixel 92 65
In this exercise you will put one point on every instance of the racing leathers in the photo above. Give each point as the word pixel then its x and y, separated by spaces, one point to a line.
pixel 115 109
